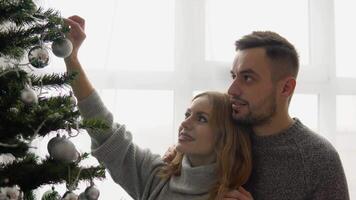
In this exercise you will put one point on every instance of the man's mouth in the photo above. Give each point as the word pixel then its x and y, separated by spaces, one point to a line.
pixel 238 105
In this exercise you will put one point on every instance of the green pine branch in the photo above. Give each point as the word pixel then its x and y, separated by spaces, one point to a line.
pixel 29 174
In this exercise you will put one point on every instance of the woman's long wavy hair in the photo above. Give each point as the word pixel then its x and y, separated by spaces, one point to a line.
pixel 233 148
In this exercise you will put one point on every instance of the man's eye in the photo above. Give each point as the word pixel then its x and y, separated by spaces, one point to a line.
pixel 247 78
pixel 233 76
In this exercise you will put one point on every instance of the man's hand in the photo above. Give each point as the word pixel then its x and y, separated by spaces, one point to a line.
pixel 77 33
pixel 170 154
pixel 240 194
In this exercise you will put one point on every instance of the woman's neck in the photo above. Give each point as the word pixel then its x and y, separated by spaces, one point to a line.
pixel 199 160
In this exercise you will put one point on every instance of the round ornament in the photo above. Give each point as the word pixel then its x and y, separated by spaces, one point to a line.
pixel 92 193
pixel 62 149
pixel 62 47
pixel 29 96
pixel 51 195
pixel 69 195
pixel 38 57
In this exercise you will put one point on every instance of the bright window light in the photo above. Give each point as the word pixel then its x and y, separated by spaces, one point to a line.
pixel 229 20
pixel 125 34
pixel 305 107
pixel 345 38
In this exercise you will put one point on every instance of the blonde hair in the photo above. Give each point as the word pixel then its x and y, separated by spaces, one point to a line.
pixel 233 148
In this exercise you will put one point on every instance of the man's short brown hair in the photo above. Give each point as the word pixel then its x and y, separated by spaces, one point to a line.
pixel 279 50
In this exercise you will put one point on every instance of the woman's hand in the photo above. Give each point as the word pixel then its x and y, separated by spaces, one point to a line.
pixel 170 154
pixel 240 194
pixel 77 32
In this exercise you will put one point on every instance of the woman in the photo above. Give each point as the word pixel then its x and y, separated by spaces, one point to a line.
pixel 213 155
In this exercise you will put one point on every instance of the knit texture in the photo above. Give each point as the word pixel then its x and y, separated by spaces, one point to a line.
pixel 296 164
pixel 135 169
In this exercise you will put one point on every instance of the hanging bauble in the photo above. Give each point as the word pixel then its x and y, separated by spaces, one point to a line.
pixel 92 193
pixel 7 158
pixel 3 196
pixel 29 96
pixel 38 57
pixel 81 196
pixel 62 47
pixel 69 195
pixel 14 110
pixel 10 193
pixel 63 150
pixel 73 100
pixel 51 195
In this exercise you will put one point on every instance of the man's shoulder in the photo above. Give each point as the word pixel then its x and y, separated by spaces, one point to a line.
pixel 314 147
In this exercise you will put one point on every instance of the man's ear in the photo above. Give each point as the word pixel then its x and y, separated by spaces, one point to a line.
pixel 287 86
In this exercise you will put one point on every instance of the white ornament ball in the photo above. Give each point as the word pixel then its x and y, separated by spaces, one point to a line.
pixel 14 110
pixel 10 193
pixel 92 193
pixel 38 57
pixel 82 196
pixel 29 96
pixel 73 100
pixel 62 149
pixel 7 158
pixel 69 196
pixel 3 197
pixel 51 195
pixel 62 47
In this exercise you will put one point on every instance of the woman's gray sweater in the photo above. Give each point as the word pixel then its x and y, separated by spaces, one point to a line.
pixel 135 169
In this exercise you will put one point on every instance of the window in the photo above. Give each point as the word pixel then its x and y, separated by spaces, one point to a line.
pixel 147 58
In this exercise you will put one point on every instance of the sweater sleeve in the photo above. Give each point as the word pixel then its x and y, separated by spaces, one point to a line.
pixel 328 177
pixel 130 166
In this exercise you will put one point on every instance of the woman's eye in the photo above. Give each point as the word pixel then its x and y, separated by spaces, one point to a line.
pixel 187 114
pixel 202 119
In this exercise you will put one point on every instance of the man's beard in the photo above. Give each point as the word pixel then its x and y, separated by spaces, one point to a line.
pixel 257 115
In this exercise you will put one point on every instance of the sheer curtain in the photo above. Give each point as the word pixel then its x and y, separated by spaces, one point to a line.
pixel 147 58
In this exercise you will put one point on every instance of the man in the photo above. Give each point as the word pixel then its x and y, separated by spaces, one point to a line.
pixel 289 160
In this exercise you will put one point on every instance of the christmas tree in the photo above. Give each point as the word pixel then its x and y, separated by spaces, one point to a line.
pixel 30 107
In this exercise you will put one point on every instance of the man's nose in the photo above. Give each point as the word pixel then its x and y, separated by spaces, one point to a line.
pixel 234 89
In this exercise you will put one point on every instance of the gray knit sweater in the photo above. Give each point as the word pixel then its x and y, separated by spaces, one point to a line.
pixel 135 169
pixel 296 164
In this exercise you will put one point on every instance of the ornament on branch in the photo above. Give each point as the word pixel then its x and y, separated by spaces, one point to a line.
pixel 38 56
pixel 62 47
pixel 91 192
pixel 14 110
pixel 28 95
pixel 51 195
pixel 63 150
pixel 10 193
pixel 7 158
pixel 73 99
pixel 69 195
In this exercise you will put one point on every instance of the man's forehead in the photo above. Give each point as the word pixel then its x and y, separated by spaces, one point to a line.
pixel 251 60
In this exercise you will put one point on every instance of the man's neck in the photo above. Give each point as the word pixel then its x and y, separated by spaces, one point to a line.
pixel 275 125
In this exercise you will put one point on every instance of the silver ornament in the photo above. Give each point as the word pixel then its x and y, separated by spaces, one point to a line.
pixel 73 100
pixel 69 195
pixel 29 96
pixel 82 196
pixel 51 195
pixel 63 150
pixel 11 193
pixel 14 110
pixel 62 47
pixel 92 193
pixel 3 197
pixel 38 57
